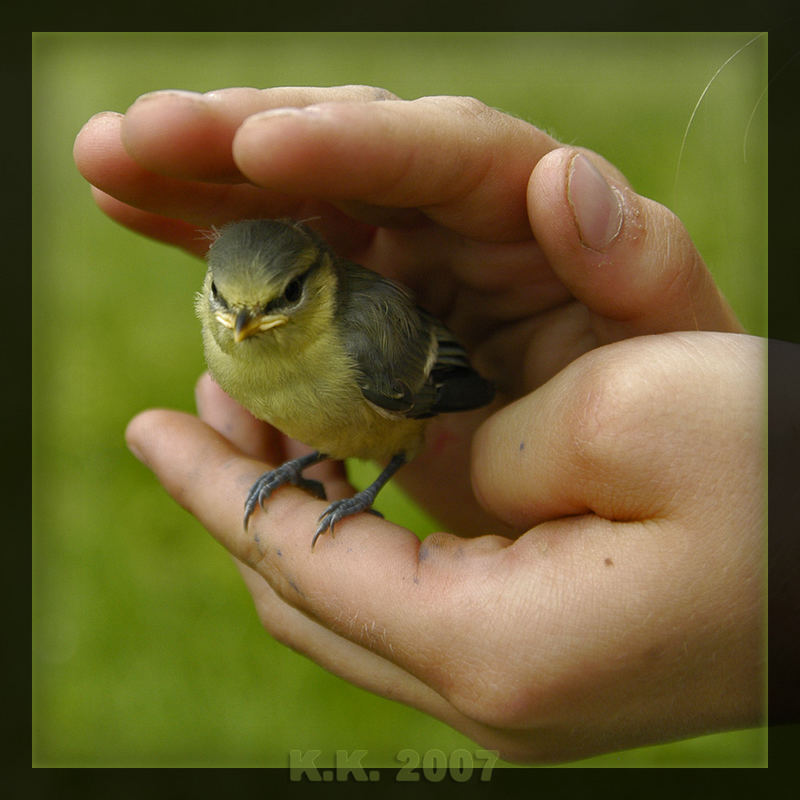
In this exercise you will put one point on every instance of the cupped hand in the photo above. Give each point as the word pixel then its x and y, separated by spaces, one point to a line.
pixel 533 253
pixel 628 613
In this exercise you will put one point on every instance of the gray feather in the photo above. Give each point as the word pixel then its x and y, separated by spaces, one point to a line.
pixel 409 363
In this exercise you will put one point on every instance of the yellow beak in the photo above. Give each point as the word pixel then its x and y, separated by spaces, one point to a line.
pixel 245 323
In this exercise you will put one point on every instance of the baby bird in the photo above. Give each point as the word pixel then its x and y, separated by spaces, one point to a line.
pixel 330 353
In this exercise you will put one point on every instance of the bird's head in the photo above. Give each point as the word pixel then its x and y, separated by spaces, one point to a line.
pixel 268 282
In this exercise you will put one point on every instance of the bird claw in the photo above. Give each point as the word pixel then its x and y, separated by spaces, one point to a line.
pixel 267 483
pixel 291 472
pixel 339 509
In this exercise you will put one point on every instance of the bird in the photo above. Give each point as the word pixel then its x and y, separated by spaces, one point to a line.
pixel 329 352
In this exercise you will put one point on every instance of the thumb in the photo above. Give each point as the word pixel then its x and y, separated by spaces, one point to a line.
pixel 628 431
pixel 626 258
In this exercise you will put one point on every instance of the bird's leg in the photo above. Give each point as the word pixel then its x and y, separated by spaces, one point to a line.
pixel 290 472
pixel 362 501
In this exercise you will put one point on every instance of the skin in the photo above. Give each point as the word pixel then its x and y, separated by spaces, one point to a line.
pixel 601 587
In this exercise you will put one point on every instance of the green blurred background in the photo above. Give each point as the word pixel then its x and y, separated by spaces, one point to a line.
pixel 146 649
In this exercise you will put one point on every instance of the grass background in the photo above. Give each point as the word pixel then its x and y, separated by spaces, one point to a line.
pixel 146 649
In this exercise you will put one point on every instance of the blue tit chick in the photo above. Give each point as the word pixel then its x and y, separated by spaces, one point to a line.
pixel 330 353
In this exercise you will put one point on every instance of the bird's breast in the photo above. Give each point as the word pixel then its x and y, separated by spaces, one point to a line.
pixel 312 397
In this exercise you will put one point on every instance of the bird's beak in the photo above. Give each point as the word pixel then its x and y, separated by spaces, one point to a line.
pixel 246 323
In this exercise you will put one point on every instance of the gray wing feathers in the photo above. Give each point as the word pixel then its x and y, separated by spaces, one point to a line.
pixel 409 363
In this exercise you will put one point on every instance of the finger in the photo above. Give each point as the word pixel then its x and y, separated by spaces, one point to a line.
pixel 208 477
pixel 103 160
pixel 195 239
pixel 163 229
pixel 627 258
pixel 204 473
pixel 367 669
pixel 366 582
pixel 343 657
pixel 615 433
pixel 463 164
pixel 290 626
pixel 189 135
pixel 571 447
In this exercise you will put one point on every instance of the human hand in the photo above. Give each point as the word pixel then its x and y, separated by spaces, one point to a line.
pixel 628 614
pixel 473 209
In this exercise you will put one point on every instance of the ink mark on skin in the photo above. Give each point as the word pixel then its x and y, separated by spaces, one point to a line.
pixel 257 540
pixel 294 586
pixel 423 553
pixel 278 552
pixel 521 446
pixel 608 562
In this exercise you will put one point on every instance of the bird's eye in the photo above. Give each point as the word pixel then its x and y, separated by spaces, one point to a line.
pixel 293 290
pixel 217 296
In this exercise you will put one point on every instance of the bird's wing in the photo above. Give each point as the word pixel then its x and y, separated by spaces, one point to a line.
pixel 408 363
pixel 457 385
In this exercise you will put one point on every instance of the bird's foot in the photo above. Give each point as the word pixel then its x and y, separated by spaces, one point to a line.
pixel 340 509
pixel 290 472
pixel 362 501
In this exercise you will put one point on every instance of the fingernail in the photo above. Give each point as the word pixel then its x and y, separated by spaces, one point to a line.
pixel 287 111
pixel 170 94
pixel 308 112
pixel 595 205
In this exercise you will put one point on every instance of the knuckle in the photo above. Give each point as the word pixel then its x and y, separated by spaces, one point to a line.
pixel 478 678
pixel 251 550
pixel 370 93
pixel 488 705
pixel 605 410
pixel 502 695
pixel 382 94
pixel 471 107
pixel 462 105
